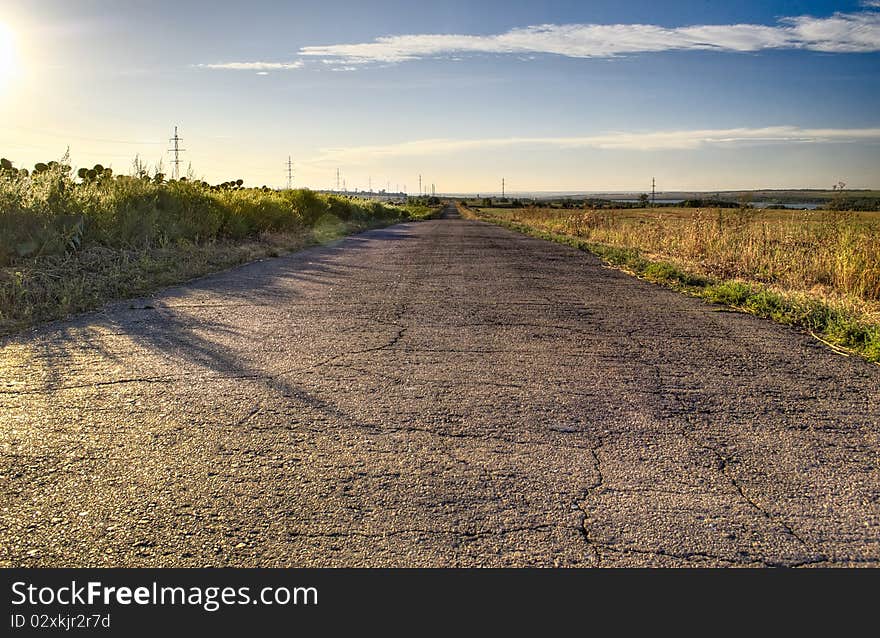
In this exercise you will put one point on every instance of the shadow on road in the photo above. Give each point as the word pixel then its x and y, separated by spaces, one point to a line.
pixel 173 323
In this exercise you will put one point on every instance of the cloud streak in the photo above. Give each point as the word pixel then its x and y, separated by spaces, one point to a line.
pixel 839 33
pixel 632 141
pixel 253 66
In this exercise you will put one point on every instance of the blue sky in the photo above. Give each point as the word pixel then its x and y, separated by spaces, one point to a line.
pixel 551 95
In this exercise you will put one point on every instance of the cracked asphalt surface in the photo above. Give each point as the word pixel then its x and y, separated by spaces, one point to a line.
pixel 442 393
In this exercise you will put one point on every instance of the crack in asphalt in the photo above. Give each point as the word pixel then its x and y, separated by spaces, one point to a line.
pixel 455 383
pixel 250 415
pixel 746 560
pixel 440 532
pixel 401 331
pixel 483 436
pixel 95 384
pixel 584 525
pixel 686 556
pixel 724 462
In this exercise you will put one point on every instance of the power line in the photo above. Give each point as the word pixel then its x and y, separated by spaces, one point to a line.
pixel 175 141
pixel 289 173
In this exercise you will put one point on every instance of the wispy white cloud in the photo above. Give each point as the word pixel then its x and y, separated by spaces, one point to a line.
pixel 634 141
pixel 253 66
pixel 839 33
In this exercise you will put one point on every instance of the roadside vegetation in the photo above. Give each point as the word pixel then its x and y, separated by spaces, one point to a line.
pixel 70 241
pixel 818 270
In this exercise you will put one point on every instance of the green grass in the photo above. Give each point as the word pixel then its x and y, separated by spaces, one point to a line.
pixel 421 212
pixel 839 325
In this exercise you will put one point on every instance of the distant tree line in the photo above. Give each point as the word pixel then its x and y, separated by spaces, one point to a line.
pixel 854 203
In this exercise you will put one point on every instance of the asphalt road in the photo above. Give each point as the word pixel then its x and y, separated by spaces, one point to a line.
pixel 443 393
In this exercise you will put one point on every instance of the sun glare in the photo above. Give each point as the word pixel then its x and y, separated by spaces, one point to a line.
pixel 7 55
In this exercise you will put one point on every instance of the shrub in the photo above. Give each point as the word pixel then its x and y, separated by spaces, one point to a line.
pixel 49 212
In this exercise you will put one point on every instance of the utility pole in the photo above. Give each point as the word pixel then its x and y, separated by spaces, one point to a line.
pixel 175 148
pixel 502 188
pixel 653 191
pixel 370 183
pixel 420 185
pixel 337 180
pixel 433 191
pixel 289 172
